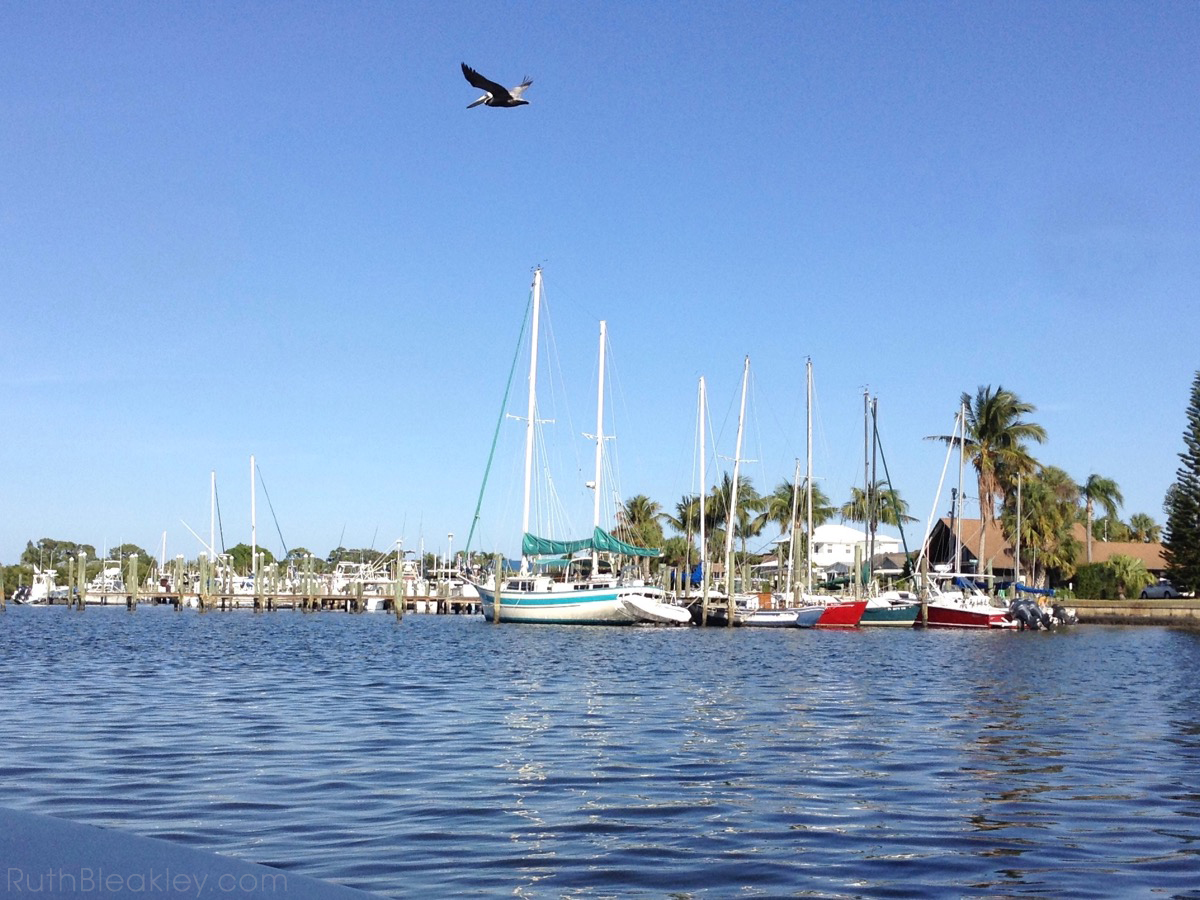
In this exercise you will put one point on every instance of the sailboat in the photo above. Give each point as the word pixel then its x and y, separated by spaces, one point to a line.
pixel 815 611
pixel 728 606
pixel 964 605
pixel 796 607
pixel 585 590
pixel 891 608
pixel 788 615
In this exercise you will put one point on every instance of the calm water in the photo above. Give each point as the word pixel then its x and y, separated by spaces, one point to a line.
pixel 444 756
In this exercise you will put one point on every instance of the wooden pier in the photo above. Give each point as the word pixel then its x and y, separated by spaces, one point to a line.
pixel 353 603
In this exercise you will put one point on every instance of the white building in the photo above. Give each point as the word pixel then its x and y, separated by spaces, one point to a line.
pixel 834 546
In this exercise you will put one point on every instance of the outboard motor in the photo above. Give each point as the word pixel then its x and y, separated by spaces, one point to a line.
pixel 1026 614
pixel 1063 616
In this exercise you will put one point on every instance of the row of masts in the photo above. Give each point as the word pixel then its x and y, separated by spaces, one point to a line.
pixel 732 517
pixel 531 423
pixel 870 447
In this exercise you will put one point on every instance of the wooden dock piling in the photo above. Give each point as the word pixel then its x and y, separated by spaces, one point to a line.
pixel 498 569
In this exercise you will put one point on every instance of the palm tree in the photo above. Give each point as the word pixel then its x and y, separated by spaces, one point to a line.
pixel 823 510
pixel 1098 490
pixel 717 507
pixel 639 517
pixel 1130 575
pixel 889 509
pixel 778 506
pixel 854 509
pixel 995 436
pixel 686 522
pixel 677 551
pixel 638 523
pixel 1049 504
pixel 687 515
pixel 1143 528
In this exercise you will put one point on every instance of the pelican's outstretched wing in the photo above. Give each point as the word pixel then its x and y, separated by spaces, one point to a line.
pixel 497 91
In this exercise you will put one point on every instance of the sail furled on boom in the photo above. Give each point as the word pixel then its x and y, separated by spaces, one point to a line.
pixel 601 541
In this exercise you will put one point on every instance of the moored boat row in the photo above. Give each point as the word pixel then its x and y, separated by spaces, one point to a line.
pixel 562 582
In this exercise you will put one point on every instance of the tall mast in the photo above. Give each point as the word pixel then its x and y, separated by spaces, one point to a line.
pixel 253 523
pixel 876 507
pixel 808 478
pixel 212 514
pixel 599 443
pixel 1017 564
pixel 791 564
pixel 866 482
pixel 703 402
pixel 922 555
pixel 531 409
pixel 733 492
pixel 962 440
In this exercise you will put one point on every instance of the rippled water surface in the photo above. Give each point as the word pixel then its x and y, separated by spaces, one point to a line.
pixel 444 756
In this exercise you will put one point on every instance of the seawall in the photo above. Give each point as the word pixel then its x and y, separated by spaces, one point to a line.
pixel 1184 611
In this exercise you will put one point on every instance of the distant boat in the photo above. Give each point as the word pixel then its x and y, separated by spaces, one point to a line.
pixel 572 595
pixel 43 591
pixel 107 586
pixel 803 609
pixel 726 606
pixel 564 588
pixel 790 617
pixel 842 614
pixel 894 608
pixel 744 607
pixel 965 606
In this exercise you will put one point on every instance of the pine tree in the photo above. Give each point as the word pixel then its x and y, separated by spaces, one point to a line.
pixel 1181 544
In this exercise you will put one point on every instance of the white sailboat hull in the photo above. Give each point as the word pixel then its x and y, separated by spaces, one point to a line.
pixel 579 604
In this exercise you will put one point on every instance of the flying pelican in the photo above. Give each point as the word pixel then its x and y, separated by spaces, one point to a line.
pixel 495 95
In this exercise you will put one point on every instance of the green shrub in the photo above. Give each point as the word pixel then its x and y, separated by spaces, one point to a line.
pixel 1095 581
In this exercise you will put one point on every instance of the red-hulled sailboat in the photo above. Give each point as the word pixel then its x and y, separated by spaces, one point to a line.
pixel 842 614
pixel 965 607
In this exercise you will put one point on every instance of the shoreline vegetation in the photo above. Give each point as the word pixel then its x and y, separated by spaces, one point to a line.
pixel 1058 525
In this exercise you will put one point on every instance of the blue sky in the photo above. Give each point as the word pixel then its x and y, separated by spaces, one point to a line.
pixel 275 229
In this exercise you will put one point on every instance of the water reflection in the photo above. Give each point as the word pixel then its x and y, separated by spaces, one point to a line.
pixel 442 756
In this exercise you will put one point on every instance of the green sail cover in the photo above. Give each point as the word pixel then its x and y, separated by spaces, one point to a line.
pixel 606 543
pixel 601 540
pixel 532 545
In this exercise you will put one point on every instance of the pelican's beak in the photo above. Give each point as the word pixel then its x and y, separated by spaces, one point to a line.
pixel 482 99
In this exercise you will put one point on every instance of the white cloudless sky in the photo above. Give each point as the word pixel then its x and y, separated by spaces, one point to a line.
pixel 274 229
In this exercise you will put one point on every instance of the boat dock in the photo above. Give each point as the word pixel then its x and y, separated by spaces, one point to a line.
pixel 353 603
